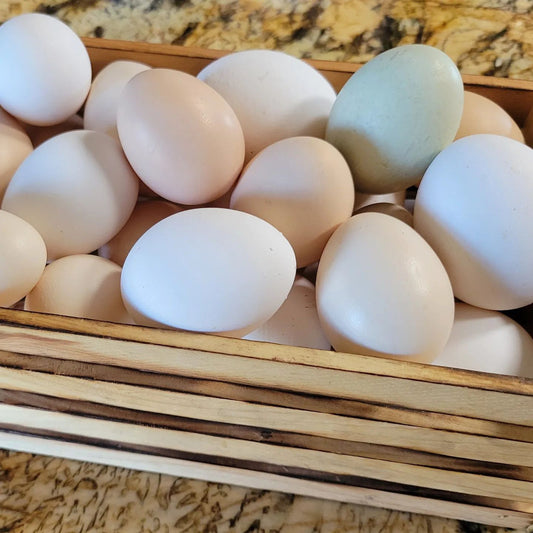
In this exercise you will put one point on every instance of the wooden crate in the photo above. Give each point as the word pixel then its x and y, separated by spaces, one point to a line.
pixel 347 427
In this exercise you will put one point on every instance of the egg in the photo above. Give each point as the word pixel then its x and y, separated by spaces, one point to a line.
pixel 394 210
pixel 45 70
pixel 481 115
pixel 381 290
pixel 15 146
pixel 22 258
pixel 296 322
pixel 487 341
pixel 274 95
pixel 212 270
pixel 180 136
pixel 76 189
pixel 40 134
pixel 85 286
pixel 473 207
pixel 528 128
pixel 395 114
pixel 303 187
pixel 362 199
pixel 100 113
pixel 144 216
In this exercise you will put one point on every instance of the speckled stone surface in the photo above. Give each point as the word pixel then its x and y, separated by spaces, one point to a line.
pixel 491 37
pixel 45 495
pixel 42 494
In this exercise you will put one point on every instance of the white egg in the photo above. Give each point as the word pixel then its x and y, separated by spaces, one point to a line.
pixel 487 341
pixel 381 290
pixel 45 70
pixel 474 207
pixel 274 95
pixel 212 269
pixel 76 189
pixel 296 322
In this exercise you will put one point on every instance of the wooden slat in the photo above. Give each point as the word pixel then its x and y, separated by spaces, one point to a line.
pixel 511 94
pixel 285 438
pixel 465 401
pixel 267 351
pixel 248 393
pixel 489 486
pixel 268 417
pixel 248 478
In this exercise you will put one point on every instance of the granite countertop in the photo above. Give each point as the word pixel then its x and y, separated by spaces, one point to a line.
pixel 489 37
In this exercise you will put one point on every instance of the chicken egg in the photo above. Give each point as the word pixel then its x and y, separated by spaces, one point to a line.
pixel 76 189
pixel 45 70
pixel 381 290
pixel 487 341
pixel 180 136
pixel 274 95
pixel 15 146
pixel 473 207
pixel 22 258
pixel 303 187
pixel 211 269
pixel 85 286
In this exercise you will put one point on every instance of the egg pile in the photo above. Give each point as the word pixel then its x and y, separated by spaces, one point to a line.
pixel 207 203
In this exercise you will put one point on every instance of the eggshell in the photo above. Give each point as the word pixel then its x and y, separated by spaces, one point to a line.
pixel 181 137
pixel 393 210
pixel 85 286
pixel 487 341
pixel 22 258
pixel 44 67
pixel 275 95
pixel 481 115
pixel 100 113
pixel 296 322
pixel 208 269
pixel 362 199
pixel 40 134
pixel 528 128
pixel 15 146
pixel 76 189
pixel 395 114
pixel 381 290
pixel 144 216
pixel 473 206
pixel 303 187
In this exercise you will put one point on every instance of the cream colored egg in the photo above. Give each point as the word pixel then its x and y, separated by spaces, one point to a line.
pixel 395 114
pixel 44 67
pixel 85 286
pixel 212 270
pixel 473 207
pixel 40 134
pixel 296 322
pixel 303 187
pixel 100 113
pixel 180 136
pixel 394 210
pixel 481 115
pixel 15 146
pixel 22 258
pixel 76 189
pixel 274 95
pixel 487 341
pixel 381 290
pixel 144 216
